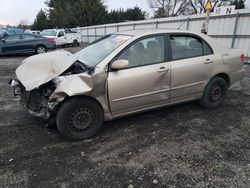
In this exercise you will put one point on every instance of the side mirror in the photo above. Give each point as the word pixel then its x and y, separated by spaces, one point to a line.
pixel 120 64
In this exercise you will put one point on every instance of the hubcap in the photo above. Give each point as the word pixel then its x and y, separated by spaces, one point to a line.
pixel 215 93
pixel 82 119
pixel 41 50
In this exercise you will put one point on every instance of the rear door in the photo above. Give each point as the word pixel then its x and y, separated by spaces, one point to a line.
pixel 27 42
pixel 10 44
pixel 191 66
pixel 146 83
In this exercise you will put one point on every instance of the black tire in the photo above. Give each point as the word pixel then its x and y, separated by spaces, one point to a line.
pixel 41 49
pixel 75 43
pixel 214 93
pixel 72 114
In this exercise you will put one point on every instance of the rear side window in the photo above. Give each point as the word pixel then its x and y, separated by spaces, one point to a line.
pixel 28 37
pixel 184 47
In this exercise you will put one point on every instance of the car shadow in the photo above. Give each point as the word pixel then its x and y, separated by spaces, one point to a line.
pixel 16 55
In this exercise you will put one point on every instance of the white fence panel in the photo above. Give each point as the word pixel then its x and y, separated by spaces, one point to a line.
pixel 243 26
pixel 100 31
pixel 195 25
pixel 112 29
pixel 229 30
pixel 126 27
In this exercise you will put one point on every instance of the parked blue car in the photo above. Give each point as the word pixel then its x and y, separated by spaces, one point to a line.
pixel 4 32
pixel 26 43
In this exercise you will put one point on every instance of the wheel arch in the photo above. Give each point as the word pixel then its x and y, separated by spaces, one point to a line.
pixel 224 76
pixel 40 45
pixel 36 46
pixel 83 96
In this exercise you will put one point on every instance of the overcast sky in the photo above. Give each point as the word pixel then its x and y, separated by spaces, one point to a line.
pixel 13 11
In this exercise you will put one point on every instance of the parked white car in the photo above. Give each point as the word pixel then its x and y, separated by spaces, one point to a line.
pixel 33 32
pixel 63 36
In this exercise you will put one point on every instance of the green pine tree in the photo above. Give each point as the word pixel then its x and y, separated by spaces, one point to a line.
pixel 41 22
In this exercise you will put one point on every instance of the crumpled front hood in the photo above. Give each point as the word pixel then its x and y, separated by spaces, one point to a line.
pixel 40 69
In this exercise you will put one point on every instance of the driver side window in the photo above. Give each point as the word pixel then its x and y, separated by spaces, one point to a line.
pixel 60 34
pixel 147 51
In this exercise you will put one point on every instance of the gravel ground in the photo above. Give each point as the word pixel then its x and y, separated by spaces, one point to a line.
pixel 180 146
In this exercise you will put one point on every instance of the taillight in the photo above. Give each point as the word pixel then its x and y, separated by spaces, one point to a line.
pixel 51 40
pixel 242 57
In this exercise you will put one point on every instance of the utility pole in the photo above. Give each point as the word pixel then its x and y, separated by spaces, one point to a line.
pixel 205 24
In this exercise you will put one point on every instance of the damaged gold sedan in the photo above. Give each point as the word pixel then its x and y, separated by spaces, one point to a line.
pixel 126 73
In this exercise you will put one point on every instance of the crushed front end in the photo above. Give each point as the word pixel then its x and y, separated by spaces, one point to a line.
pixel 36 100
pixel 45 81
pixel 39 76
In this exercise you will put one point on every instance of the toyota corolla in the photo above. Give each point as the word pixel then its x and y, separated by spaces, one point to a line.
pixel 126 73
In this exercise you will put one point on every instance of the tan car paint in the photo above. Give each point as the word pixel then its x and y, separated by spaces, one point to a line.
pixel 189 78
pixel 137 89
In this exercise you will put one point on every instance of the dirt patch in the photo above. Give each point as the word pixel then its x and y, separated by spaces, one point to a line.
pixel 179 146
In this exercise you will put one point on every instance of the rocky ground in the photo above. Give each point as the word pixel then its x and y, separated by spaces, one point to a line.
pixel 180 146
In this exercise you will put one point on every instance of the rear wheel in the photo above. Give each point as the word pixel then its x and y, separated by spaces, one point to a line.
pixel 79 118
pixel 41 49
pixel 75 43
pixel 214 93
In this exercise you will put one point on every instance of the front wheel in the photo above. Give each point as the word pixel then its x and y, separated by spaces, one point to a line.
pixel 214 93
pixel 79 118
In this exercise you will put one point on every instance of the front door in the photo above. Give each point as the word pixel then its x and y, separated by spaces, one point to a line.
pixel 145 84
pixel 61 38
pixel 10 44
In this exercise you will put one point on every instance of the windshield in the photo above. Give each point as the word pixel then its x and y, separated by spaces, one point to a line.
pixel 51 33
pixel 101 48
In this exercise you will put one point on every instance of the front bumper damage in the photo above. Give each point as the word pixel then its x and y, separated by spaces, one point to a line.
pixel 46 81
pixel 37 100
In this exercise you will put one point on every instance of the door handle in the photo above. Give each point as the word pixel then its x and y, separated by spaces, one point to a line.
pixel 163 69
pixel 208 61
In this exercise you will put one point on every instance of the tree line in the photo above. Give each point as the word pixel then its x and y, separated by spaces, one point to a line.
pixel 74 13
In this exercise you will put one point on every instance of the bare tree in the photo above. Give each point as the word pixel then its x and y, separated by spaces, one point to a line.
pixel 167 8
pixel 23 24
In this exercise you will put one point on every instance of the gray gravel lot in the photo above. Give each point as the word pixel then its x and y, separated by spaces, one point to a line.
pixel 179 146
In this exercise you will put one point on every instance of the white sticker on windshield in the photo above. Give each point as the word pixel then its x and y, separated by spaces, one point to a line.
pixel 122 38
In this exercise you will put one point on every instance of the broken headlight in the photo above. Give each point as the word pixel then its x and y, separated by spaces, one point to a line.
pixel 76 68
pixel 57 80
